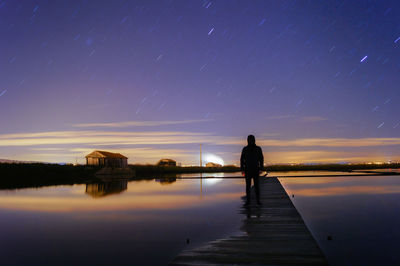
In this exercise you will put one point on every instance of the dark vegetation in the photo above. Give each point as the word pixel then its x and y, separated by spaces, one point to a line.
pixel 144 170
pixel 332 167
pixel 151 170
pixel 21 175
pixel 24 175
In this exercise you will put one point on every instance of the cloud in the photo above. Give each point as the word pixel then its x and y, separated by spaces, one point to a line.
pixel 46 149
pixel 319 156
pixel 313 118
pixel 277 117
pixel 263 135
pixel 304 118
pixel 104 138
pixel 323 142
pixel 141 123
pixel 146 154
pixel 150 146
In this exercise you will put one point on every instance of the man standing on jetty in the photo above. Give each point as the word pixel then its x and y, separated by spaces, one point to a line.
pixel 252 163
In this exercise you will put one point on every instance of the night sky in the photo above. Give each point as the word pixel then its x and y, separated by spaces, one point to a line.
pixel 314 81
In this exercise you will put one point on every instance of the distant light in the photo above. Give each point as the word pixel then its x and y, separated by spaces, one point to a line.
pixel 3 92
pixel 211 31
pixel 212 158
pixel 212 181
pixel 365 57
pixel 398 39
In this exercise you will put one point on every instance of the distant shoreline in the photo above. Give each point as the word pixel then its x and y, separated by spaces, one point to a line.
pixel 24 175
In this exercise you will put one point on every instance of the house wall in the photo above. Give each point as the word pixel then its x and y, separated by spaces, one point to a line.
pixel 116 162
pixel 92 161
pixel 108 162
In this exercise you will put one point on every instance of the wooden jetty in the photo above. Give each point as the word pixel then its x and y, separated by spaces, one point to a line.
pixel 273 234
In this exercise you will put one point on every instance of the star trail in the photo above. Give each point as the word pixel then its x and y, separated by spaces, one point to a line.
pixel 183 73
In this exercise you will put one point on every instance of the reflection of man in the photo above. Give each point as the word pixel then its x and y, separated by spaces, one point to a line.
pixel 251 163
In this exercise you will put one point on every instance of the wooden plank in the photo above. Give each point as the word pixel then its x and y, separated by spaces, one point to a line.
pixel 274 234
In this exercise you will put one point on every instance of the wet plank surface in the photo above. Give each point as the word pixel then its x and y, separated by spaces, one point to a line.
pixel 273 234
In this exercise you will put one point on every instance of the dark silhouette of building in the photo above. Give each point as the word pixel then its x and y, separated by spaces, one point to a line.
pixel 106 159
pixel 166 162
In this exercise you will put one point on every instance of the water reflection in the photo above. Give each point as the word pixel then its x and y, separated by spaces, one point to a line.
pixel 138 195
pixel 166 180
pixel 335 186
pixel 63 223
pixel 97 190
pixel 361 214
pixel 210 175
pixel 212 181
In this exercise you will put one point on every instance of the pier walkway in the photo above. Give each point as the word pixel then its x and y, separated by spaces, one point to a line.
pixel 273 234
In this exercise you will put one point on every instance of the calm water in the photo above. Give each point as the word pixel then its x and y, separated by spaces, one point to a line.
pixel 149 222
pixel 362 214
pixel 135 223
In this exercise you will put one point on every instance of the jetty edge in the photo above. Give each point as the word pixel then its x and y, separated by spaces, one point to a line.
pixel 273 234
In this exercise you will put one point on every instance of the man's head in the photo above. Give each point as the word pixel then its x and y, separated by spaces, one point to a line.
pixel 251 140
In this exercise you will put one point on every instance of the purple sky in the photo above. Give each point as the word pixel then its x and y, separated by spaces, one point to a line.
pixel 314 81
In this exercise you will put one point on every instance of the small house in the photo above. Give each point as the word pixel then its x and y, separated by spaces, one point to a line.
pixel 106 159
pixel 166 162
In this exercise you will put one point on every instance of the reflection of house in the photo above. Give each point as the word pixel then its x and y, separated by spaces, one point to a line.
pixel 107 159
pixel 166 162
pixel 166 180
pixel 97 190
pixel 210 164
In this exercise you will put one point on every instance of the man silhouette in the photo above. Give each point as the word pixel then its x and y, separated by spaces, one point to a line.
pixel 251 163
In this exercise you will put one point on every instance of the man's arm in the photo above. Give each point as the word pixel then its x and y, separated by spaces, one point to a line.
pixel 261 157
pixel 242 161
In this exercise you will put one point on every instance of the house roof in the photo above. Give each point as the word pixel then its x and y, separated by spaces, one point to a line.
pixel 167 160
pixel 105 154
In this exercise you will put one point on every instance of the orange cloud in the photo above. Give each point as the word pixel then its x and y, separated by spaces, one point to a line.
pixel 132 143
pixel 141 123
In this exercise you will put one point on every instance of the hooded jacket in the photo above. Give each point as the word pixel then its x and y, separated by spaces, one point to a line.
pixel 252 158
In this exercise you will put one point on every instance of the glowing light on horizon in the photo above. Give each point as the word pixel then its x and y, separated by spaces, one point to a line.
pixel 212 158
